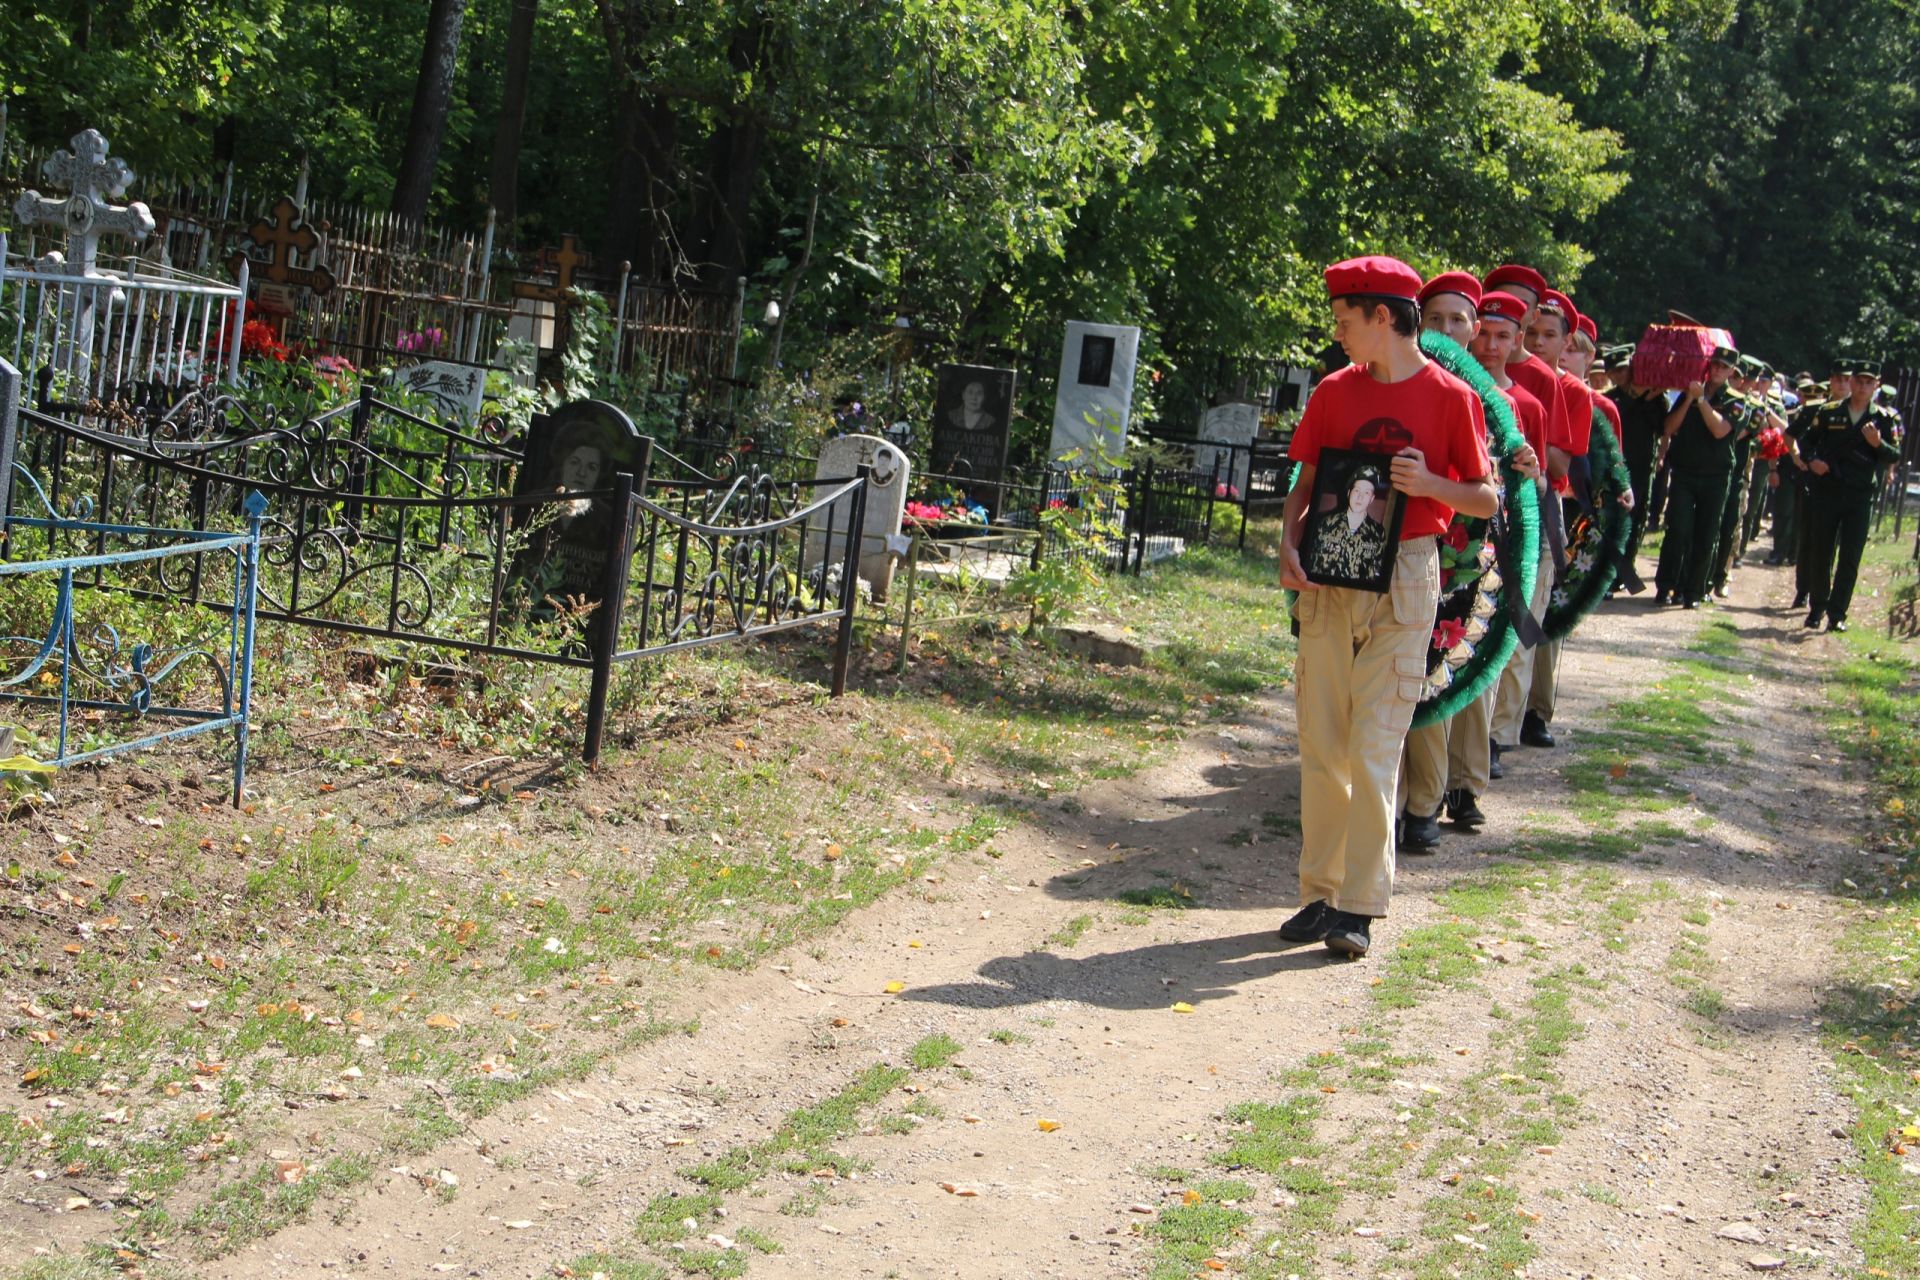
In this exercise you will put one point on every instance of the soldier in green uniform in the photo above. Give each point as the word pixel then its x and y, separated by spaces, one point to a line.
pixel 1744 427
pixel 1699 432
pixel 1788 477
pixel 1850 445
pixel 1839 387
pixel 1643 411
pixel 1770 414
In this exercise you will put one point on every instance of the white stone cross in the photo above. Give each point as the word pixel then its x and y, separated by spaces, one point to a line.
pixel 91 176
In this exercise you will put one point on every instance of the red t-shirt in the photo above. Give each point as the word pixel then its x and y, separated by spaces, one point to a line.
pixel 1543 384
pixel 1432 411
pixel 1532 416
pixel 1576 416
pixel 1609 409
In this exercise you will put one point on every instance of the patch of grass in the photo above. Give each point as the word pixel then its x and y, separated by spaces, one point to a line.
pixel 614 1267
pixel 1071 932
pixel 1428 957
pixel 933 1051
pixel 1008 1037
pixel 1205 1224
pixel 260 1203
pixel 1173 897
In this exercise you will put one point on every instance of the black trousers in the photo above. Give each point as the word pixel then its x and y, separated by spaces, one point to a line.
pixel 1786 515
pixel 1839 522
pixel 1639 459
pixel 1696 502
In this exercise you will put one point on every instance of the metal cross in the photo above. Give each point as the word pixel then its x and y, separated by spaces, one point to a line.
pixel 286 233
pixel 564 261
pixel 91 176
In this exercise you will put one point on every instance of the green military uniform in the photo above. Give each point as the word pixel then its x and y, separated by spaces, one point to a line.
pixel 1802 479
pixel 1746 423
pixel 1701 468
pixel 1641 417
pixel 1787 493
pixel 1840 503
pixel 1770 405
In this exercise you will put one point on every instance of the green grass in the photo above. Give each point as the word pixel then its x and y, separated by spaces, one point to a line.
pixel 1200 1227
pixel 1872 1023
pixel 934 1051
pixel 1429 957
pixel 1070 933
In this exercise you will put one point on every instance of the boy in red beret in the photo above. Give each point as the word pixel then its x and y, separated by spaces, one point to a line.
pixel 1362 654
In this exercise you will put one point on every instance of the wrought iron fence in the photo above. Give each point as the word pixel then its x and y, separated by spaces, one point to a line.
pixel 390 527
pixel 97 671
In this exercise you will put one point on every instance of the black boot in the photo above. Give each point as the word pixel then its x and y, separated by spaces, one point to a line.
pixel 1419 835
pixel 1463 809
pixel 1533 731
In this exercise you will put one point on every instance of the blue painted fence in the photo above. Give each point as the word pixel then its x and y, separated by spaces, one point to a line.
pixel 98 671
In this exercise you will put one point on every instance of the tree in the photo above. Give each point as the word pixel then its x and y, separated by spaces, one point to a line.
pixel 427 125
pixel 503 185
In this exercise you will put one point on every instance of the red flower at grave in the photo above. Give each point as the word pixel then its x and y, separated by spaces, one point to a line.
pixel 258 341
pixel 1448 633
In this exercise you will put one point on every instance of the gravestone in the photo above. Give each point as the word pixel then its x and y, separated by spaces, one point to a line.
pixel 841 458
pixel 457 388
pixel 972 417
pixel 1229 424
pixel 1095 399
pixel 9 429
pixel 578 447
pixel 91 177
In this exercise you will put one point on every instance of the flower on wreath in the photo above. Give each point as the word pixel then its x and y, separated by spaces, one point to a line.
pixel 1448 633
pixel 1456 535
pixel 258 341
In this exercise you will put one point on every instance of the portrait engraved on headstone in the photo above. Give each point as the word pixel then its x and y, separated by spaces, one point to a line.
pixel 578 448
pixel 972 412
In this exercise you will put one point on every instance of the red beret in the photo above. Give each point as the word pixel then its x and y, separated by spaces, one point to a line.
pixel 1388 277
pixel 1460 282
pixel 1566 306
pixel 1585 325
pixel 1525 277
pixel 1503 306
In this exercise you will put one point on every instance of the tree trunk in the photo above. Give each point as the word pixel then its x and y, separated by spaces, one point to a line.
pixel 503 187
pixel 719 236
pixel 639 224
pixel 432 91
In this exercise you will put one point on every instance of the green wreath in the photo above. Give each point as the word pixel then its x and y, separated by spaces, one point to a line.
pixel 1486 565
pixel 1597 541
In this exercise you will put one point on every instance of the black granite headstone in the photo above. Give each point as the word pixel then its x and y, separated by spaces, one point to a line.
pixel 972 412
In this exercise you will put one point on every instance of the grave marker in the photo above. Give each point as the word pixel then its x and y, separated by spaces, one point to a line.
pixel 840 459
pixel 1095 398
pixel 91 176
pixel 287 233
pixel 972 416
pixel 578 447
pixel 1234 424
pixel 457 388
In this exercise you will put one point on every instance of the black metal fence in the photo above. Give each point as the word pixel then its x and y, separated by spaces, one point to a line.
pixel 388 526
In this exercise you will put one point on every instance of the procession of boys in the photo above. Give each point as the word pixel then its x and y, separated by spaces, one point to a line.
pixel 1706 460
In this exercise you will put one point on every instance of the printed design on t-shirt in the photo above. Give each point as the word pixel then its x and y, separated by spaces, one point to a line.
pixel 1383 435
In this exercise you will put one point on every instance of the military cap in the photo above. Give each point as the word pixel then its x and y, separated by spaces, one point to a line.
pixel 1621 357
pixel 1866 368
pixel 1726 355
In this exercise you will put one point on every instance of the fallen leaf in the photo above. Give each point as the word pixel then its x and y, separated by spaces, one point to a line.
pixel 443 1022
pixel 895 988
pixel 290 1171
pixel 518 1224
pixel 1048 1126
pixel 1213 1264
pixel 959 1189
pixel 1190 1196
pixel 78 1202
pixel 1181 1006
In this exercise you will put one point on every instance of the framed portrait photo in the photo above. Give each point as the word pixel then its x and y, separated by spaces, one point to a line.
pixel 1352 534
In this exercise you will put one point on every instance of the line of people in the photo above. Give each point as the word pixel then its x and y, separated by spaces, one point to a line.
pixel 1369 788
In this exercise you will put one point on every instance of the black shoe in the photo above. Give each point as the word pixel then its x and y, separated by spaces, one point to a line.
pixel 1533 731
pixel 1691 604
pixel 1799 601
pixel 1773 562
pixel 1813 619
pixel 1661 599
pixel 1348 934
pixel 1419 835
pixel 1837 624
pixel 1463 809
pixel 1720 592
pixel 1309 923
pixel 1493 759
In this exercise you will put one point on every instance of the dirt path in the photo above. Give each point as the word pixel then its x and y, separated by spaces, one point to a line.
pixel 1586 1042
